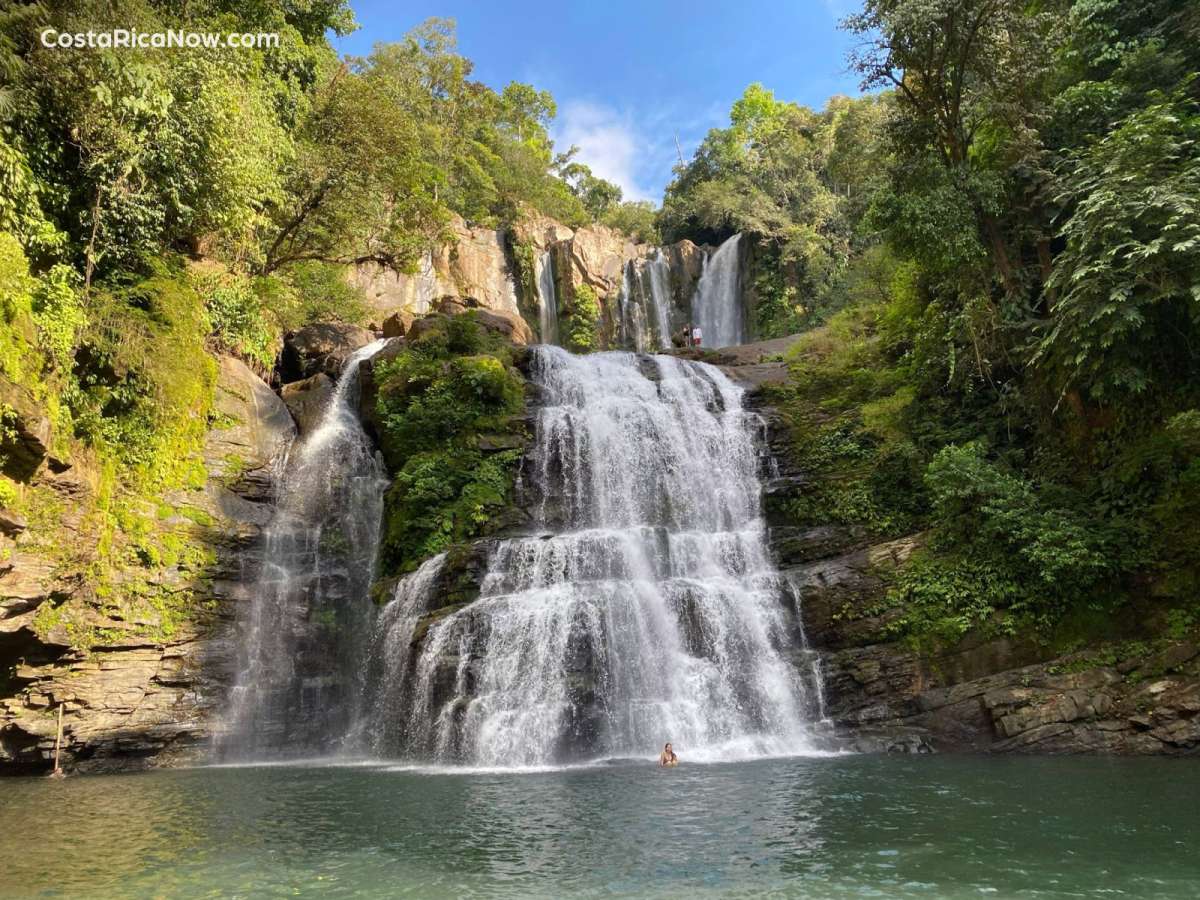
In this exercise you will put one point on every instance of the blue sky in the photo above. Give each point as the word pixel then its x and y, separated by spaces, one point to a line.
pixel 628 77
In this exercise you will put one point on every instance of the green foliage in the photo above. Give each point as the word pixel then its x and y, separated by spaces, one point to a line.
pixel 59 315
pixel 581 325
pixel 8 492
pixel 145 383
pixel 794 179
pixel 238 322
pixel 636 218
pixel 1128 310
pixel 19 362
pixel 321 294
pixel 435 398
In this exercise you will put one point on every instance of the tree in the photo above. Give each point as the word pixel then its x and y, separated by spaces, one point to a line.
pixel 966 75
pixel 1128 311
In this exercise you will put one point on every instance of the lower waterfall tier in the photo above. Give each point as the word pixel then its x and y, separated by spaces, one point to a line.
pixel 647 610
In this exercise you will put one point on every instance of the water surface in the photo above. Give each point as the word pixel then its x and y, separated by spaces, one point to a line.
pixel 850 826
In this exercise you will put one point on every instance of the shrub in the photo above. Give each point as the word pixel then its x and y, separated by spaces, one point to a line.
pixel 583 321
pixel 238 322
pixel 435 397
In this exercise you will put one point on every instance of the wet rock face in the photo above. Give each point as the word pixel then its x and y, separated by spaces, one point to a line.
pixel 474 264
pixel 134 701
pixel 320 348
pixel 482 268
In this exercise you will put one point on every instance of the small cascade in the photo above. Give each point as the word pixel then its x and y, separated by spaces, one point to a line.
pixel 389 666
pixel 647 609
pixel 302 632
pixel 644 304
pixel 717 307
pixel 547 299
pixel 658 273
pixel 632 310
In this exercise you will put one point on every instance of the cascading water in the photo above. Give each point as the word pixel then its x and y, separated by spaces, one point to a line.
pixel 717 304
pixel 644 304
pixel 631 310
pixel 301 637
pixel 658 273
pixel 646 610
pixel 547 299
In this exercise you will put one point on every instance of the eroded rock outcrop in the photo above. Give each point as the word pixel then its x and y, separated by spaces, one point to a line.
pixel 483 268
pixel 323 347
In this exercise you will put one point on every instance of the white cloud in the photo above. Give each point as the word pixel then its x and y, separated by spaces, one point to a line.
pixel 608 143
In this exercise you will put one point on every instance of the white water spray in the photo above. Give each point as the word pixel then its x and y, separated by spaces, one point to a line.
pixel 300 635
pixel 547 299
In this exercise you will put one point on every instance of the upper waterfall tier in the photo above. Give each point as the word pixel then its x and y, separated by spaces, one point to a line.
pixel 647 610
pixel 717 308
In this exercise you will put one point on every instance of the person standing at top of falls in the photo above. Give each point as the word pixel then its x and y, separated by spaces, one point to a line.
pixel 668 758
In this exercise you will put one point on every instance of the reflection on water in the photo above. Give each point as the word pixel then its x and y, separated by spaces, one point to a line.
pixel 832 827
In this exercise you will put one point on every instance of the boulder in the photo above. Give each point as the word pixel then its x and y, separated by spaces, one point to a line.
pixel 306 400
pixel 424 326
pixel 11 524
pixel 455 306
pixel 254 424
pixel 397 324
pixel 320 348
pixel 510 325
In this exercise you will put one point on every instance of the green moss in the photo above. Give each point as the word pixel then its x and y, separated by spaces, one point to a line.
pixel 8 492
pixel 435 399
pixel 199 516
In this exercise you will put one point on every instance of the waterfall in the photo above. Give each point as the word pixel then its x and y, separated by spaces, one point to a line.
pixel 300 635
pixel 717 305
pixel 644 304
pixel 631 310
pixel 658 271
pixel 547 299
pixel 645 609
pixel 391 653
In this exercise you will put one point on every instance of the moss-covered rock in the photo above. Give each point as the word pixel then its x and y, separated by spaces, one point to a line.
pixel 446 407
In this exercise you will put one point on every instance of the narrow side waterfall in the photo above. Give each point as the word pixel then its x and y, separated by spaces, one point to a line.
pixel 658 273
pixel 644 304
pixel 303 630
pixel 644 609
pixel 717 306
pixel 632 310
pixel 547 299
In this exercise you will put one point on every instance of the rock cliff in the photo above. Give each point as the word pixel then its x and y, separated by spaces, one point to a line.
pixel 142 686
pixel 494 269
